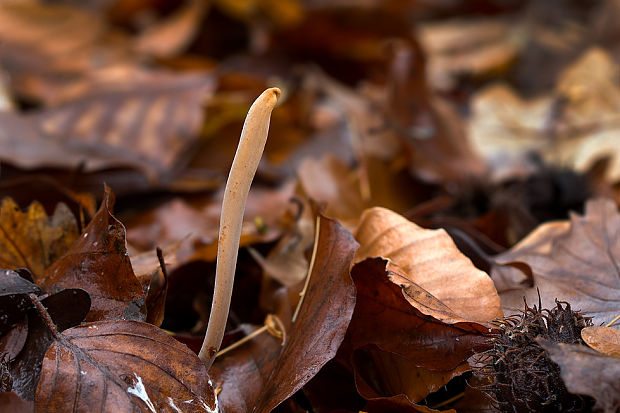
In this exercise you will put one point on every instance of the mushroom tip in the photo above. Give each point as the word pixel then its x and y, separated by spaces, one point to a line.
pixel 276 91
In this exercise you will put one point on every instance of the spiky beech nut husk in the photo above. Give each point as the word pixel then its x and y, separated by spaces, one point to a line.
pixel 520 375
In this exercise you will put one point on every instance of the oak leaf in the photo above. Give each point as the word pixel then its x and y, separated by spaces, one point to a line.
pixel 33 240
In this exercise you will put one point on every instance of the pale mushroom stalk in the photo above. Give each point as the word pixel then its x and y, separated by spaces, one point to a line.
pixel 245 163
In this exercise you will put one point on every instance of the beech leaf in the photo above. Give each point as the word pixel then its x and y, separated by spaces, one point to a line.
pixel 431 260
pixel 585 371
pixel 117 366
pixel 605 340
pixel 579 265
pixel 99 264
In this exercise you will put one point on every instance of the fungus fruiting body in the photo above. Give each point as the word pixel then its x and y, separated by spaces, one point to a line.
pixel 245 163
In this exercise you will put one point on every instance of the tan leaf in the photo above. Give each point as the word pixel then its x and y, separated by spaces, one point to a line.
pixel 429 259
pixel 170 36
pixel 574 127
pixel 605 340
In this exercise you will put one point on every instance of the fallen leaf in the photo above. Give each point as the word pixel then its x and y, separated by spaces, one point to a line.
pixel 122 365
pixel 605 340
pixel 168 37
pixel 474 47
pixel 146 264
pixel 286 262
pixel 14 300
pixel 585 371
pixel 574 127
pixel 431 261
pixel 198 223
pixel 113 127
pixel 33 240
pixel 329 180
pixel 99 264
pixel 578 265
pixel 398 404
pixel 390 374
pixel 242 373
pixel 398 316
pixel 323 318
pixel 25 190
pixel 26 367
pixel 263 377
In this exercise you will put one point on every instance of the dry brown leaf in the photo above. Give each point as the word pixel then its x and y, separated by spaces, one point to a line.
pixel 605 340
pixel 579 266
pixel 538 241
pixel 475 47
pixel 585 371
pixel 391 374
pixel 574 127
pixel 122 366
pixel 331 181
pixel 146 125
pixel 99 264
pixel 33 240
pixel 178 220
pixel 48 31
pixel 429 259
pixel 173 34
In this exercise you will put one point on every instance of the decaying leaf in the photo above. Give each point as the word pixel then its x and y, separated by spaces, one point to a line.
pixel 578 264
pixel 400 317
pixel 33 240
pixel 475 47
pixel 265 377
pixel 168 37
pixel 99 264
pixel 391 374
pixel 242 373
pixel 605 340
pixel 122 366
pixel 588 372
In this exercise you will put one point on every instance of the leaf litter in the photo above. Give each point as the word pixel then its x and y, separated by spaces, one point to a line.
pixel 430 166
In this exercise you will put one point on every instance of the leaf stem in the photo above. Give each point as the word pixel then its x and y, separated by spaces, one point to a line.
pixel 245 163
pixel 44 314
